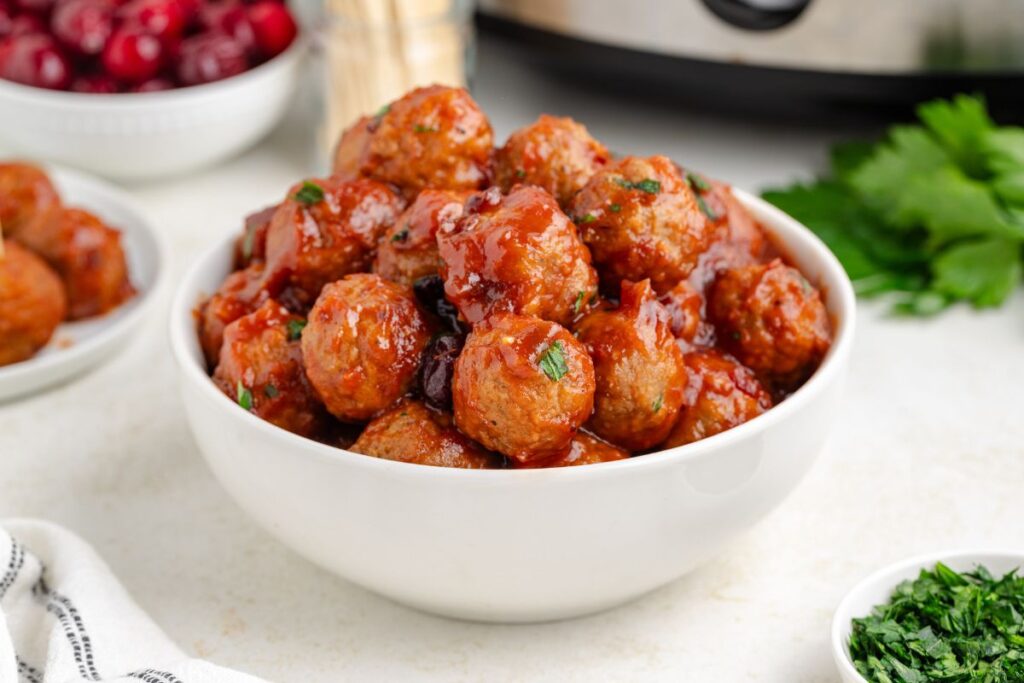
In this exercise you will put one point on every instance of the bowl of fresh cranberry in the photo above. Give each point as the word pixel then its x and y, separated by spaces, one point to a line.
pixel 138 89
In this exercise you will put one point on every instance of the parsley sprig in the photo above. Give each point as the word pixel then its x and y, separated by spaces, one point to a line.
pixel 933 214
pixel 552 362
pixel 310 193
pixel 945 626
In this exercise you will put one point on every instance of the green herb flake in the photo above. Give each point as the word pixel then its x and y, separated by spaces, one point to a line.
pixel 648 185
pixel 248 243
pixel 520 173
pixel 420 128
pixel 698 182
pixel 578 304
pixel 552 362
pixel 658 402
pixel 295 328
pixel 310 193
pixel 401 236
pixel 383 110
pixel 944 626
pixel 708 211
pixel 271 391
pixel 243 395
pixel 615 208
pixel 588 218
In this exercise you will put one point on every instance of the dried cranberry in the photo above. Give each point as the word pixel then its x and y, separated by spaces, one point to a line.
pixel 133 55
pixel 35 59
pixel 437 367
pixel 210 57
pixel 83 25
pixel 273 27
pixel 429 290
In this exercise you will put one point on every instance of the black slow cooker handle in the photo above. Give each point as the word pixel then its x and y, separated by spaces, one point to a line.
pixel 757 15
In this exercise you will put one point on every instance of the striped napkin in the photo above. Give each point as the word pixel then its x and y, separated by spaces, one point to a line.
pixel 64 618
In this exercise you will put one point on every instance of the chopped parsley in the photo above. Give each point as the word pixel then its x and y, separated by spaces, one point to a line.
pixel 658 402
pixel 578 305
pixel 401 236
pixel 615 208
pixel 588 218
pixel 698 182
pixel 243 395
pixel 944 626
pixel 420 128
pixel 383 110
pixel 708 211
pixel 310 193
pixel 552 362
pixel 520 173
pixel 271 391
pixel 648 185
pixel 295 328
pixel 248 243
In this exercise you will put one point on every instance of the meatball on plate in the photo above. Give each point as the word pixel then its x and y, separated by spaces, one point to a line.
pixel 96 265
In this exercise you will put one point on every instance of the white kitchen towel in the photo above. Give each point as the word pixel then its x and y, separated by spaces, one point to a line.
pixel 64 618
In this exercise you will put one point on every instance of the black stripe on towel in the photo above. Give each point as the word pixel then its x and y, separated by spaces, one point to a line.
pixel 14 566
pixel 154 676
pixel 71 623
pixel 29 672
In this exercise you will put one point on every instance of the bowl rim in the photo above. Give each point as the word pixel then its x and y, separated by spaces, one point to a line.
pixel 183 333
pixel 145 296
pixel 64 98
pixel 888 576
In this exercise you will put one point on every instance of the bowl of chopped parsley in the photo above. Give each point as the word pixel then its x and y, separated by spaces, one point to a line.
pixel 954 618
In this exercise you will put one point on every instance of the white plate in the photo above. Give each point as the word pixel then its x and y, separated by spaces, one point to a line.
pixel 82 345
pixel 877 589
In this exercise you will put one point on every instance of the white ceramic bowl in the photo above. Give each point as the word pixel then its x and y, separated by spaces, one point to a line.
pixel 81 345
pixel 132 137
pixel 877 589
pixel 525 545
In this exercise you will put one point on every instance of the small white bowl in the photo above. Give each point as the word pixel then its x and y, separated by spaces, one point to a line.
pixel 523 545
pixel 141 136
pixel 81 345
pixel 877 590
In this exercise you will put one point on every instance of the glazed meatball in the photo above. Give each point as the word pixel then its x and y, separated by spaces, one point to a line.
pixel 32 303
pixel 641 220
pixel 241 293
pixel 261 368
pixel 352 147
pixel 326 229
pixel 736 240
pixel 363 344
pixel 88 257
pixel 517 253
pixel 720 394
pixel 554 153
pixel 408 250
pixel 685 308
pixel 26 198
pixel 432 137
pixel 639 369
pixel 585 449
pixel 522 386
pixel 412 432
pixel 772 319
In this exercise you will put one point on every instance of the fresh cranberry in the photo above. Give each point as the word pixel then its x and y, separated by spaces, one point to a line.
pixel 133 55
pixel 26 24
pixel 273 27
pixel 83 25
pixel 6 22
pixel 99 84
pixel 37 6
pixel 211 14
pixel 35 59
pixel 210 57
pixel 165 19
pixel 235 22
pixel 154 85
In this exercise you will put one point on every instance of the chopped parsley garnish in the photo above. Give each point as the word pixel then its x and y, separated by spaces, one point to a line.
pixel 383 110
pixel 295 328
pixel 310 193
pixel 933 214
pixel 615 208
pixel 578 305
pixel 698 182
pixel 705 208
pixel 588 218
pixel 401 236
pixel 271 391
pixel 420 128
pixel 248 243
pixel 243 395
pixel 944 626
pixel 552 362
pixel 520 173
pixel 648 185
pixel 658 402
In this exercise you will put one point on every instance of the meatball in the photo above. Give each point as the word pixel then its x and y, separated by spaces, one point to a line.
pixel 641 220
pixel 326 229
pixel 261 368
pixel 720 394
pixel 519 254
pixel 351 148
pixel 522 386
pixel 26 198
pixel 408 250
pixel 585 449
pixel 736 240
pixel 554 153
pixel 639 369
pixel 363 344
pixel 88 257
pixel 412 432
pixel 32 303
pixel 685 307
pixel 772 319
pixel 241 293
pixel 432 137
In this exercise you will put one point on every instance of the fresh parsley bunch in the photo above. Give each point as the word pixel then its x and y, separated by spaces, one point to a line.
pixel 934 213
pixel 945 626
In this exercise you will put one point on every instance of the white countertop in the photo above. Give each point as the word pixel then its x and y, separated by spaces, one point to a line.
pixel 928 455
